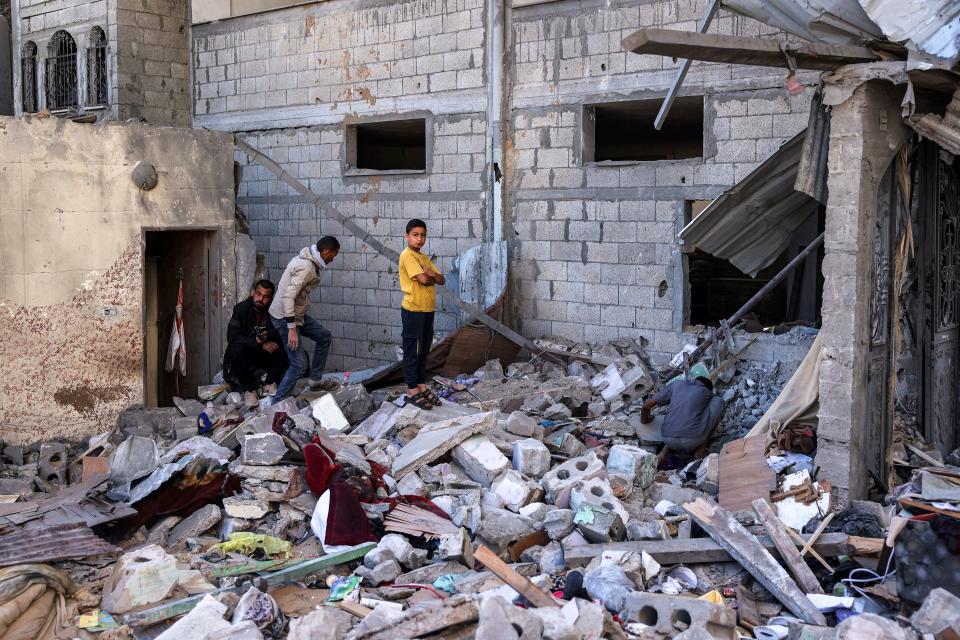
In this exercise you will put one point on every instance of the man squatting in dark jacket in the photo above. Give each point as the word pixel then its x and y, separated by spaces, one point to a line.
pixel 692 413
pixel 255 355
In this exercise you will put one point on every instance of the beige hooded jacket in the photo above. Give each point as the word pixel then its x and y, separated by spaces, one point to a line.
pixel 302 275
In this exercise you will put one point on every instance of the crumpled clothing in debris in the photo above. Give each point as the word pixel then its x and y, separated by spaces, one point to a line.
pixel 347 522
pixel 32 604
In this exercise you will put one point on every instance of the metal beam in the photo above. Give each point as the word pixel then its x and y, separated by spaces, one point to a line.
pixel 705 21
pixel 473 313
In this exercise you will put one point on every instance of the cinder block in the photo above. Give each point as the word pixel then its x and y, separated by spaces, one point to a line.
pixel 668 614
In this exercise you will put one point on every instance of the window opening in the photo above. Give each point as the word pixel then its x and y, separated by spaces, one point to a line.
pixel 97 68
pixel 624 131
pixel 395 145
pixel 61 71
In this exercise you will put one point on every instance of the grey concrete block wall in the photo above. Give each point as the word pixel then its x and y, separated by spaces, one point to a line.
pixel 153 61
pixel 597 256
pixel 594 252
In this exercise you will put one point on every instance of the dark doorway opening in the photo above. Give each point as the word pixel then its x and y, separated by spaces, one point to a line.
pixel 168 257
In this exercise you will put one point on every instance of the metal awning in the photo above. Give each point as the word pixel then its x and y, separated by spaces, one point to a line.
pixel 751 224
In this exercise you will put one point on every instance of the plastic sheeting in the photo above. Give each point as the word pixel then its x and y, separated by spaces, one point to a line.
pixel 932 26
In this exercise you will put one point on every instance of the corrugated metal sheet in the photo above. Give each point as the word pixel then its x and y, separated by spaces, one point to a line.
pixel 933 26
pixel 833 21
pixel 752 223
pixel 60 542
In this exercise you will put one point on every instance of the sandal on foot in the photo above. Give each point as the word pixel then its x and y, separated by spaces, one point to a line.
pixel 432 398
pixel 418 400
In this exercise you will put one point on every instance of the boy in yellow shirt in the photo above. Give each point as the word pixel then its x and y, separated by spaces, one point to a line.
pixel 418 276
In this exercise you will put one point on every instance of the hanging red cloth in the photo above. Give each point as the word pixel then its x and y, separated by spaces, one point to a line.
pixel 177 349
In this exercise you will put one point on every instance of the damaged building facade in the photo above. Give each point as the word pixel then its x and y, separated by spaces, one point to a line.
pixel 494 129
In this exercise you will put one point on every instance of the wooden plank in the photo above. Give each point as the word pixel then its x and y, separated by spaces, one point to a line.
pixel 420 622
pixel 763 52
pixel 537 596
pixel 747 550
pixel 355 608
pixel 745 475
pixel 816 534
pixel 793 534
pixel 176 608
pixel 910 503
pixel 788 552
pixel 923 456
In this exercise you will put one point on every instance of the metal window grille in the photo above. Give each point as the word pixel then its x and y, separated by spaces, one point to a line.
pixel 61 72
pixel 97 74
pixel 28 78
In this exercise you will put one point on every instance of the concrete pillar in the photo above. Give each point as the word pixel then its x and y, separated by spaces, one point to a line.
pixel 865 133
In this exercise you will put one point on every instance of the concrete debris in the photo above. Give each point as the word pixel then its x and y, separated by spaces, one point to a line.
pixel 540 481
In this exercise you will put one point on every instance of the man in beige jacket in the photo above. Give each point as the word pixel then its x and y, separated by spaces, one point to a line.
pixel 290 313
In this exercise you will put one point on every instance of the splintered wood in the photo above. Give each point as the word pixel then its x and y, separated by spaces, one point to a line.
pixel 744 473
pixel 415 521
pixel 537 596
pixel 788 552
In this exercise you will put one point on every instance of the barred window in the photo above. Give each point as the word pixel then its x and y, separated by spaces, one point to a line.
pixel 61 71
pixel 97 67
pixel 28 77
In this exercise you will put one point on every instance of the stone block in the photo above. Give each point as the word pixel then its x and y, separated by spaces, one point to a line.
pixel 531 457
pixel 940 609
pixel 378 554
pixel 405 553
pixel 355 402
pixel 481 460
pixel 535 511
pixel 663 612
pixel 196 523
pixel 204 619
pixel 638 465
pixel 501 527
pixel 868 625
pixel 598 524
pixel 520 424
pixel 558 480
pixel 514 490
pixel 708 474
pixel 412 485
pixel 502 620
pixel 647 530
pixel 246 508
pixel 264 449
pixel 558 523
pixel 596 491
pixel 456 547
pixel 386 571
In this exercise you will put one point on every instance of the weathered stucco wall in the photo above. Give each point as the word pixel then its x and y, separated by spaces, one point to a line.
pixel 71 261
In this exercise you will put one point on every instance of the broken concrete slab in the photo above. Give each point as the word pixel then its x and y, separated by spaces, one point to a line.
pixel 245 508
pixel 480 459
pixel 558 523
pixel 501 620
pixel 205 618
pixel 380 424
pixel 355 402
pixel 263 449
pixel 437 438
pixel 501 527
pixel 196 523
pixel 326 412
pixel 320 624
pixel 520 424
pixel 663 611
pixel 141 577
pixel 531 457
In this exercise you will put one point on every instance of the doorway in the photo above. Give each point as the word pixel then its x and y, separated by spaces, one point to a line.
pixel 172 257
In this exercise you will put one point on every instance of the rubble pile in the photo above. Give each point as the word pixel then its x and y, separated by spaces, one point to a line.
pixel 530 504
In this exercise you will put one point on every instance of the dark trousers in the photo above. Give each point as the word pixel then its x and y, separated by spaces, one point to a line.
pixel 246 367
pixel 417 337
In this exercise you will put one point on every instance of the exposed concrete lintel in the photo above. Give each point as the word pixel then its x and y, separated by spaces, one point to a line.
pixel 457 102
pixel 693 192
pixel 438 196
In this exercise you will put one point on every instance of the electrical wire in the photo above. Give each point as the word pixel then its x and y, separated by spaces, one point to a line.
pixel 873 577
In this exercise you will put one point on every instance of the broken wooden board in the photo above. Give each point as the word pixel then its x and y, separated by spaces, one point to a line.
pixel 744 473
pixel 94 466
pixel 763 52
pixel 788 551
pixel 914 505
pixel 706 550
pixel 534 594
pixel 747 550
